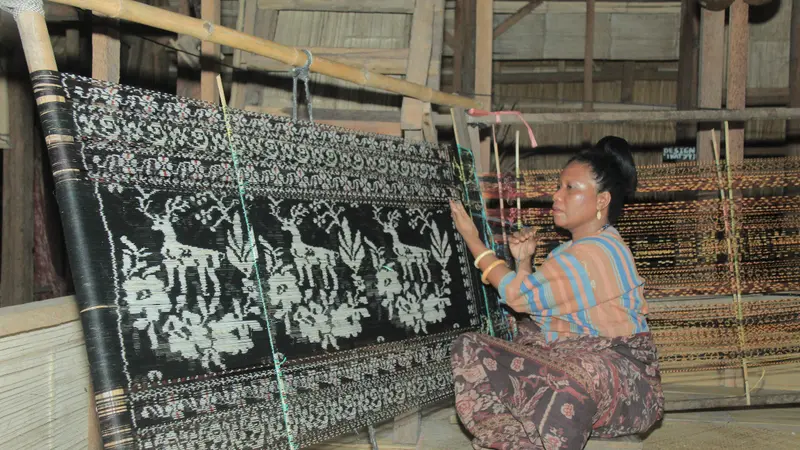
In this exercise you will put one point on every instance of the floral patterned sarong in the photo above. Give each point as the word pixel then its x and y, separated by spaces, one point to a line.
pixel 533 394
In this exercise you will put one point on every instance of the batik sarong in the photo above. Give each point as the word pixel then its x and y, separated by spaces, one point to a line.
pixel 533 394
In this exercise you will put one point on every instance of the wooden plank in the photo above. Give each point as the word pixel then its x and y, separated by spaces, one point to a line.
pixel 688 65
pixel 738 36
pixel 434 70
pixel 588 68
pixel 16 264
pixel 419 60
pixel 363 6
pixel 29 317
pixel 628 81
pixel 464 60
pixel 246 24
pixel 384 61
pixel 105 49
pixel 380 122
pixel 209 11
pixel 712 51
pixel 512 20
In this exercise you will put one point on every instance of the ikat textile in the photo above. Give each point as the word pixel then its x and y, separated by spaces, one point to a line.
pixel 358 267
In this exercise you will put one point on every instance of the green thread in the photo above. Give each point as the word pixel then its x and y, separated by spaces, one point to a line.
pixel 488 239
pixel 254 253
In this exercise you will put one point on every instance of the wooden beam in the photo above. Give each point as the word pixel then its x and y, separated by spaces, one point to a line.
pixel 701 115
pixel 16 264
pixel 607 73
pixel 688 66
pixel 712 35
pixel 105 49
pixel 359 6
pixel 588 68
pixel 738 49
pixel 379 60
pixel 210 11
pixel 516 17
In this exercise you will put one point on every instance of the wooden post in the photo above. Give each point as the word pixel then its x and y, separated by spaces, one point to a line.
pixel 464 57
pixel 17 279
pixel 210 11
pixel 793 126
pixel 419 59
pixel 588 69
pixel 483 71
pixel 105 49
pixel 687 67
pixel 738 48
pixel 712 29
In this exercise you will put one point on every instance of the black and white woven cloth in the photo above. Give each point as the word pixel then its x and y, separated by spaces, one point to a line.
pixel 358 267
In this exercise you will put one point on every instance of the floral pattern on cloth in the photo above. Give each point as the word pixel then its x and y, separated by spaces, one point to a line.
pixel 531 394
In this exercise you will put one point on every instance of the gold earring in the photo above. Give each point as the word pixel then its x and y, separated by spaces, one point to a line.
pixel 598 215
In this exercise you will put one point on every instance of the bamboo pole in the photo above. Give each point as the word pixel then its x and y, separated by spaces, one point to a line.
pixel 643 116
pixel 35 41
pixel 177 23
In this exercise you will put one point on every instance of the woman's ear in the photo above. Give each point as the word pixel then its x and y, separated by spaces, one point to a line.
pixel 603 200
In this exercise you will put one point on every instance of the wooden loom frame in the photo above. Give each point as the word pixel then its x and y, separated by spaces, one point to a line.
pixel 39 55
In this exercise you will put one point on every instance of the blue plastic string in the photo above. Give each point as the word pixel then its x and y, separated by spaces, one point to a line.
pixel 254 253
pixel 488 238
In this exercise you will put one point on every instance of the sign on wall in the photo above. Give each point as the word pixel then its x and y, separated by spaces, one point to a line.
pixel 675 154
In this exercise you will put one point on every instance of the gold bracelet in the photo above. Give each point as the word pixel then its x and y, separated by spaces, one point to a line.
pixel 481 257
pixel 489 269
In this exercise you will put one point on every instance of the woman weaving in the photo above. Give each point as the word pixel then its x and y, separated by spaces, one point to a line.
pixel 583 361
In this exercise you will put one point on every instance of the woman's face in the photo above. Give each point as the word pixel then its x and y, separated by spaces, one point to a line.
pixel 575 202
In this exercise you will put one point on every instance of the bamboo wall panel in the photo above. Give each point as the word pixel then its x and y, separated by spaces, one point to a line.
pixel 44 389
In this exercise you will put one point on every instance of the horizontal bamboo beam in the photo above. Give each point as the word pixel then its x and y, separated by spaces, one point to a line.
pixel 379 60
pixel 713 115
pixel 177 23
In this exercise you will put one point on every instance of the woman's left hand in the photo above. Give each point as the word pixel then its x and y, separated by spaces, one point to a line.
pixel 463 221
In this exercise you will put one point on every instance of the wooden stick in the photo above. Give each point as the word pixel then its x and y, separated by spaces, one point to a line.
pixel 645 116
pixel 166 20
pixel 210 11
pixel 516 160
pixel 588 68
pixel 516 17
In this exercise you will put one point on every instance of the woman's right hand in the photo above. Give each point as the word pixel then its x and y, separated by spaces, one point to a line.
pixel 523 244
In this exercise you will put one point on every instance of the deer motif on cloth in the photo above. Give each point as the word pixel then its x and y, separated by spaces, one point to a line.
pixel 178 257
pixel 307 256
pixel 408 256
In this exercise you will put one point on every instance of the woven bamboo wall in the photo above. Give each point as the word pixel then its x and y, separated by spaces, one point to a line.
pixel 339 30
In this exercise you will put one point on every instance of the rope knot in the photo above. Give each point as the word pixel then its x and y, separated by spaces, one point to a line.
pixel 303 74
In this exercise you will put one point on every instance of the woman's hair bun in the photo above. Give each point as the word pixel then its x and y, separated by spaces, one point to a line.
pixel 620 150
